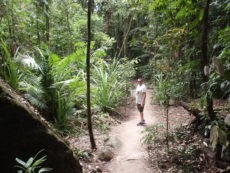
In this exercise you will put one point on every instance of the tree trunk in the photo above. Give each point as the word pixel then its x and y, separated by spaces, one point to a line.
pixel 167 128
pixel 69 28
pixel 47 23
pixel 209 102
pixel 37 23
pixel 126 35
pixel 92 141
pixel 13 22
pixel 204 60
pixel 11 27
pixel 192 82
pixel 155 52
pixel 107 22
pixel 2 12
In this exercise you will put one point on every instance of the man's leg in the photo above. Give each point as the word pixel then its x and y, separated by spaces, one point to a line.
pixel 140 109
pixel 142 116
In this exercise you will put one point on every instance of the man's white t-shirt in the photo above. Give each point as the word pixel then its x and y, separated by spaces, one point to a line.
pixel 139 93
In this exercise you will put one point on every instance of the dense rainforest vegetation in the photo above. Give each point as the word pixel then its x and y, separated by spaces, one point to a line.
pixel 181 47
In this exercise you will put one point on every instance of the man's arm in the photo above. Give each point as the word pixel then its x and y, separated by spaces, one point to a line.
pixel 143 101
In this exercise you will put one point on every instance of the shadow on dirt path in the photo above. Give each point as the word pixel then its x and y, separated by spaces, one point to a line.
pixel 132 155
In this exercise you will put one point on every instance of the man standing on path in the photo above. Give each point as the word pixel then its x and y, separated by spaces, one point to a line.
pixel 140 99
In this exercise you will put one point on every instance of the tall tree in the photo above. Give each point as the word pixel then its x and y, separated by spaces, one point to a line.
pixel 37 22
pixel 92 141
pixel 128 30
pixel 47 14
pixel 204 60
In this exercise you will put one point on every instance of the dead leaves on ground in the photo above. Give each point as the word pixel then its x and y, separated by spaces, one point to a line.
pixel 188 152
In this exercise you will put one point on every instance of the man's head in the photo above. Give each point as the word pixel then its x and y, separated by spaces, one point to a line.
pixel 139 81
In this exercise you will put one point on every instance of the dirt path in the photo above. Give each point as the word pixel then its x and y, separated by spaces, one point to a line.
pixel 132 156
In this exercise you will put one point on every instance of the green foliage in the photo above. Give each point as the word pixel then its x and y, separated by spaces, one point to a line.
pixel 167 87
pixel 9 69
pixel 160 89
pixel 152 133
pixel 32 165
pixel 109 82
pixel 81 154
pixel 49 92
pixel 62 110
pixel 31 88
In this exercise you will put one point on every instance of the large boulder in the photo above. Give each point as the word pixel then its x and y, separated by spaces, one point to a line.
pixel 23 133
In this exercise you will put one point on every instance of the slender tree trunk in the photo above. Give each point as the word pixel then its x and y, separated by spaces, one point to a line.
pixel 204 60
pixel 10 21
pixel 13 22
pixel 192 82
pixel 9 27
pixel 210 110
pixel 126 35
pixel 125 49
pixel 47 23
pixel 92 141
pixel 167 128
pixel 67 19
pixel 155 52
pixel 37 23
pixel 107 22
pixel 69 28
pixel 2 12
pixel 167 119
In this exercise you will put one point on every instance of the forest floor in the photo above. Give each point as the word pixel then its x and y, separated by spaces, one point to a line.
pixel 133 155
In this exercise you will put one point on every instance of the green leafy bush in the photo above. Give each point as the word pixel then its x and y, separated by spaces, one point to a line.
pixel 152 133
pixel 10 70
pixel 110 83
pixel 32 165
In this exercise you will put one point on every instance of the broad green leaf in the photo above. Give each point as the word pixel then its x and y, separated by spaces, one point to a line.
pixel 45 170
pixel 39 161
pixel 29 162
pixel 20 161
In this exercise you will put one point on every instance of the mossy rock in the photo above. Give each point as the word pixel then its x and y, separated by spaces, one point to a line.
pixel 23 134
pixel 105 155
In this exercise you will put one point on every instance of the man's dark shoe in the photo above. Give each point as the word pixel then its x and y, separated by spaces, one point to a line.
pixel 140 123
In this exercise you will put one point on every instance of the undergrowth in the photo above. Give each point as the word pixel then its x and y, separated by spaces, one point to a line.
pixel 77 125
pixel 187 150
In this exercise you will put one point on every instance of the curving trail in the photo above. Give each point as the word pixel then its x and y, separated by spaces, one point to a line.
pixel 132 156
